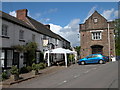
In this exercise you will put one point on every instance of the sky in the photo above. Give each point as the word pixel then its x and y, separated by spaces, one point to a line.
pixel 64 17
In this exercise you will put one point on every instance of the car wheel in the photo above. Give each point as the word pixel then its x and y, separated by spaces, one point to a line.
pixel 82 63
pixel 101 62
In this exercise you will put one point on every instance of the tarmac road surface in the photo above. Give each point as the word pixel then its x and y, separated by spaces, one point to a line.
pixel 77 76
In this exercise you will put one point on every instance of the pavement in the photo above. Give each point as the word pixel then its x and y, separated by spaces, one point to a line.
pixel 27 76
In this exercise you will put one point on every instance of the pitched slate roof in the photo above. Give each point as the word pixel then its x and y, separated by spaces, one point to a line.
pixel 10 18
pixel 31 24
pixel 41 28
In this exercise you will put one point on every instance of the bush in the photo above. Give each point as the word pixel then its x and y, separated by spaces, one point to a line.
pixel 14 70
pixel 4 76
pixel 35 66
pixel 38 66
pixel 42 65
pixel 29 68
pixel 24 70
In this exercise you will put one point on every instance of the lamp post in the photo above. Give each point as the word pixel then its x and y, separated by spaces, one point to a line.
pixel 109 41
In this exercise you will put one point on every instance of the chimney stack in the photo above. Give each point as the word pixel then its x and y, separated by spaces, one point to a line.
pixel 48 26
pixel 22 14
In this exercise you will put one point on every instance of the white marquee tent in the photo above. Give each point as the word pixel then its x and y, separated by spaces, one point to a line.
pixel 58 51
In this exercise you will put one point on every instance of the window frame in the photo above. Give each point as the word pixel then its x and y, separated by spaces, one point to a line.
pixel 4 32
pixel 96 35
pixel 21 35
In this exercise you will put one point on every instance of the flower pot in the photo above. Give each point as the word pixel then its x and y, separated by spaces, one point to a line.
pixel 35 72
pixel 15 77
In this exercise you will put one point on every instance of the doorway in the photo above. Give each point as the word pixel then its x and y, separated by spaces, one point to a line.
pixel 97 49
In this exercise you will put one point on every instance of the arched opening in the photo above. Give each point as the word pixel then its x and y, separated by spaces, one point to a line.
pixel 97 49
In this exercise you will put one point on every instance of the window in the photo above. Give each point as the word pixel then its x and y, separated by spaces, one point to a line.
pixel 96 36
pixel 2 58
pixel 21 35
pixel 95 20
pixel 9 58
pixel 33 37
pixel 4 30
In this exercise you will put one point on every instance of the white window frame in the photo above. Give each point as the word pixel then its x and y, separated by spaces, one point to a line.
pixel 21 35
pixel 96 35
pixel 4 30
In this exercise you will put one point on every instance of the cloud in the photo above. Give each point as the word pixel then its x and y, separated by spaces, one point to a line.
pixel 44 20
pixel 90 12
pixel 37 15
pixel 52 10
pixel 69 32
pixel 55 28
pixel 108 14
pixel 12 13
pixel 116 13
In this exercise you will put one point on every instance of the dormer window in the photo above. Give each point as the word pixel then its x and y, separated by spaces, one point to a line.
pixel 95 20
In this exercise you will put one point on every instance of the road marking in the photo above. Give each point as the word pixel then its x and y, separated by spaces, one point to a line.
pixel 87 71
pixel 62 82
pixel 76 76
pixel 94 68
pixel 65 81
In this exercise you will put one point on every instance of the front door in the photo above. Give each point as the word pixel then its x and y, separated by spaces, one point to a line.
pixel 16 59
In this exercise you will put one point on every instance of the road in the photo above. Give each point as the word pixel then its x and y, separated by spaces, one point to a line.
pixel 77 76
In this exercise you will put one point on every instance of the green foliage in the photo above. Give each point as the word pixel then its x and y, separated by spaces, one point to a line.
pixel 31 47
pixel 35 66
pixel 42 65
pixel 71 58
pixel 77 49
pixel 38 66
pixel 29 68
pixel 24 70
pixel 19 48
pixel 4 76
pixel 14 70
pixel 117 37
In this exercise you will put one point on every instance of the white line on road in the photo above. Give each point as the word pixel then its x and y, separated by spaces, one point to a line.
pixel 62 82
pixel 76 76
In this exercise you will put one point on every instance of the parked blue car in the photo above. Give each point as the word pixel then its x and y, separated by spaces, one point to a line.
pixel 93 58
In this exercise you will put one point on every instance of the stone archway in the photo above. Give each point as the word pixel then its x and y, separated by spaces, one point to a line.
pixel 97 49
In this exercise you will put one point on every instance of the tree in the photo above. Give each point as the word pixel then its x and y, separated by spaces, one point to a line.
pixel 117 37
pixel 77 49
pixel 31 48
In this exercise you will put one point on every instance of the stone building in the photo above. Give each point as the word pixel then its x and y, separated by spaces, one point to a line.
pixel 97 36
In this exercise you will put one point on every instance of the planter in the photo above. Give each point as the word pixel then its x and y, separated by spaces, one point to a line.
pixel 35 72
pixel 15 77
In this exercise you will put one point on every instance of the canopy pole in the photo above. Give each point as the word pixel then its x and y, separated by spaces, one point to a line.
pixel 44 55
pixel 65 59
pixel 48 59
